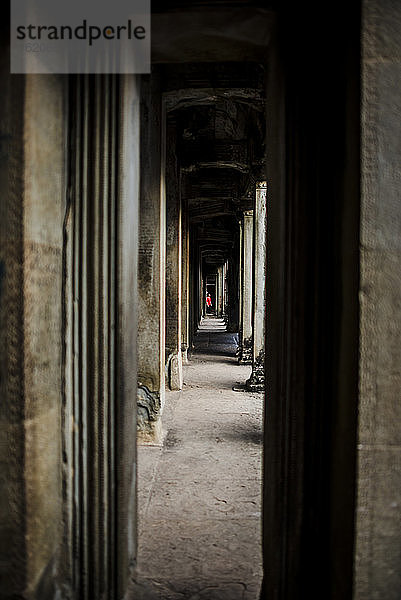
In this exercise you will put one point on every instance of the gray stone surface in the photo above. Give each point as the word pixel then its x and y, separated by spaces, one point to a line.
pixel 151 256
pixel 378 542
pixel 32 211
pixel 200 494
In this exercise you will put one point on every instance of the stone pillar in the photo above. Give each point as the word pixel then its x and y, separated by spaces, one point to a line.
pixel 241 266
pixel 257 380
pixel 151 268
pixel 67 482
pixel 185 326
pixel 193 253
pixel 201 294
pixel 225 301
pixel 233 290
pixel 220 291
pixel 218 283
pixel 246 344
pixel 173 260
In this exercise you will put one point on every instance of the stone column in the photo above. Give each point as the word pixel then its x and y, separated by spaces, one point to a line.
pixel 220 291
pixel 193 266
pixel 246 344
pixel 225 309
pixel 185 287
pixel 257 380
pixel 233 290
pixel 201 295
pixel 241 266
pixel 67 501
pixel 151 268
pixel 218 282
pixel 173 260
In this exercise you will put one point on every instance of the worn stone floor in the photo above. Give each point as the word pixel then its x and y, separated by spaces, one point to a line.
pixel 200 494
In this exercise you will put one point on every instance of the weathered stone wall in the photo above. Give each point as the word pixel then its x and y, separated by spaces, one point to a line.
pixel 32 212
pixel 12 522
pixel 378 541
pixel 44 208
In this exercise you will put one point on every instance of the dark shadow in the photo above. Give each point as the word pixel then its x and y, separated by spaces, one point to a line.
pixel 216 352
pixel 247 435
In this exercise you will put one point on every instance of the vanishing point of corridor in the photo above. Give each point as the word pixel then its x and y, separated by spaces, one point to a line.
pixel 199 493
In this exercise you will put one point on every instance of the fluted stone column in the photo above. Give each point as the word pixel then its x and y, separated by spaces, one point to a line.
pixel 257 380
pixel 246 345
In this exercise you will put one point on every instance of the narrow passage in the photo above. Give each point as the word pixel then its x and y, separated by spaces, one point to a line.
pixel 200 494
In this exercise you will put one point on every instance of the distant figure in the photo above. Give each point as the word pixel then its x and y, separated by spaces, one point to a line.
pixel 208 302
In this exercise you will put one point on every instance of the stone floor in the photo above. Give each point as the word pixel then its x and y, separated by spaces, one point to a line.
pixel 199 495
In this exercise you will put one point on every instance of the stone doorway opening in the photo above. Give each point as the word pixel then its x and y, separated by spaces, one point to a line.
pixel 202 216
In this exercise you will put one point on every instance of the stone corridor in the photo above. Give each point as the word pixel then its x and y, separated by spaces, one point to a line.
pixel 254 163
pixel 200 494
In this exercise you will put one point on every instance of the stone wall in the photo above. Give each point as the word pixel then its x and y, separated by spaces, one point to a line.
pixel 12 523
pixel 378 541
pixel 32 212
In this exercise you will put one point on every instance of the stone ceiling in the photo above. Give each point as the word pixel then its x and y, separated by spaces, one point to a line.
pixel 218 112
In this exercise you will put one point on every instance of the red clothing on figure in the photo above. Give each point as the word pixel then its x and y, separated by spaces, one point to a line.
pixel 208 301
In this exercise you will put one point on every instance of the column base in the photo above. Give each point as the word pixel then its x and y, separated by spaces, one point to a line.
pixel 245 360
pixel 255 385
pixel 152 435
pixel 184 354
pixel 149 425
pixel 175 376
pixel 245 356
pixel 256 382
